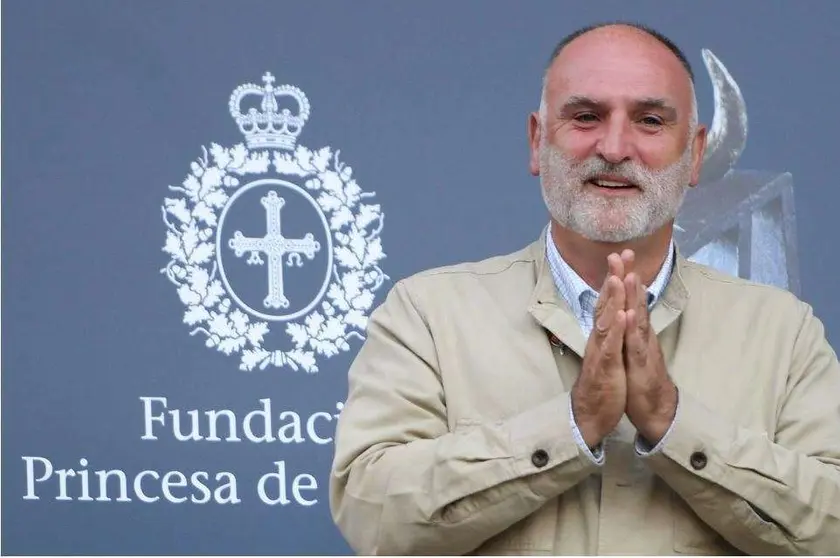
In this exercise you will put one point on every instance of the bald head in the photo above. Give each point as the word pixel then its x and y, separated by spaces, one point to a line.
pixel 622 44
pixel 668 43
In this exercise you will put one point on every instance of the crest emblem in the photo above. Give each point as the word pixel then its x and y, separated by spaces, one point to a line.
pixel 268 238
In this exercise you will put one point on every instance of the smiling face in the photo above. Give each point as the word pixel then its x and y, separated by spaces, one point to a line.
pixel 616 143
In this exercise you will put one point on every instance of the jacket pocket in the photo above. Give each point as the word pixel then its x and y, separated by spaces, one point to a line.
pixel 692 535
pixel 533 535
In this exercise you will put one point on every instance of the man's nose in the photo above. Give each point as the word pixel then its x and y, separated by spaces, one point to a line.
pixel 615 145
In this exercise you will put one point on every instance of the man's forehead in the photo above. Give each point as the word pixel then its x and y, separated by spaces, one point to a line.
pixel 623 40
pixel 620 61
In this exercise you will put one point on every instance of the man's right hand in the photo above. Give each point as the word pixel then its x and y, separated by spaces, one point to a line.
pixel 599 395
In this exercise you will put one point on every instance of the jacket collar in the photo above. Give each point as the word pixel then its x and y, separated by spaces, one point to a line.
pixel 554 314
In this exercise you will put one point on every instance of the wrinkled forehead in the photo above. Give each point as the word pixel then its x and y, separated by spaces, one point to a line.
pixel 619 67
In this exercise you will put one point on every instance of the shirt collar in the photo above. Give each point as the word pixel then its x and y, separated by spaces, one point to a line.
pixel 573 288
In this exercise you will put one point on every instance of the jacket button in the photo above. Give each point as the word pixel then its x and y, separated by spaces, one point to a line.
pixel 698 460
pixel 539 458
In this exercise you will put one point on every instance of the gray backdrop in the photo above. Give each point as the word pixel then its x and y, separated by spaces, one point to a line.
pixel 107 104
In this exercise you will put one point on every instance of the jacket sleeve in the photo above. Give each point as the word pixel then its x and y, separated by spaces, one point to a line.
pixel 767 495
pixel 403 483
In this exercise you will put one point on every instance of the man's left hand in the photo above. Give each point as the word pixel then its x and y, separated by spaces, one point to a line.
pixel 651 395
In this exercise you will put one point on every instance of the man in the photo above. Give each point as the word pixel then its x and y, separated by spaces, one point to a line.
pixel 595 393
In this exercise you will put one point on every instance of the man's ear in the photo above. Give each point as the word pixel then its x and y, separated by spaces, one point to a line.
pixel 534 132
pixel 698 152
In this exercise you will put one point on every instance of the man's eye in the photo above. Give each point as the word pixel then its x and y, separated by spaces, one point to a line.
pixel 586 118
pixel 651 121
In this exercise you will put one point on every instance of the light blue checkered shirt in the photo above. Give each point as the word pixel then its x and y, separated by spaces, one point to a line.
pixel 582 299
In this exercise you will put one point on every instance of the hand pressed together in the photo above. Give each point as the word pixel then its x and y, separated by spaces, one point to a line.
pixel 623 366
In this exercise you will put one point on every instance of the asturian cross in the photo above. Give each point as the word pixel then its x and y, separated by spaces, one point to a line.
pixel 275 246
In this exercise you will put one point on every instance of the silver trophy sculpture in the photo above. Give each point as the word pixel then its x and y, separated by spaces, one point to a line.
pixel 740 222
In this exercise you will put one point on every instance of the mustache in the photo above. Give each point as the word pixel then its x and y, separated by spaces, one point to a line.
pixel 626 170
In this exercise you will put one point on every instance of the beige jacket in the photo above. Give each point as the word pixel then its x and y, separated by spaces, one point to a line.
pixel 456 438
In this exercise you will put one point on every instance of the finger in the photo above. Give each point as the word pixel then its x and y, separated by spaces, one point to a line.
pixel 608 304
pixel 635 347
pixel 616 266
pixel 631 292
pixel 613 345
pixel 620 295
pixel 614 307
pixel 634 286
pixel 604 297
pixel 628 258
pixel 642 315
pixel 612 298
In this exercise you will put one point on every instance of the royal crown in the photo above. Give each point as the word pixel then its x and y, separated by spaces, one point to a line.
pixel 269 127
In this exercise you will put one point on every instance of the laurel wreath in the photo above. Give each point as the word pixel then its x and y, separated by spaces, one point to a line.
pixel 191 221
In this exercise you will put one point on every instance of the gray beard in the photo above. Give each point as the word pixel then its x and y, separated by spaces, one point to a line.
pixel 577 206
